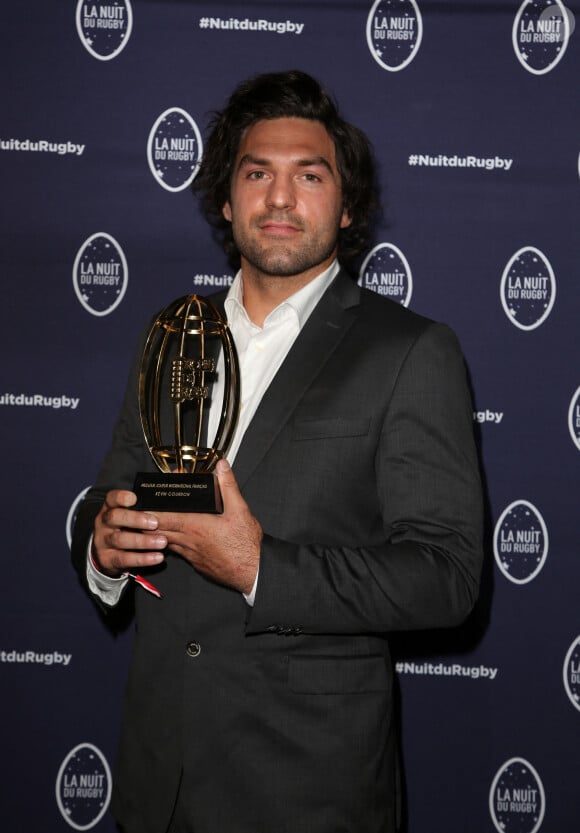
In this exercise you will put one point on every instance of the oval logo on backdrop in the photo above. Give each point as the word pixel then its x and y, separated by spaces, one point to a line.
pixel 104 26
pixel 572 673
pixel 83 786
pixel 528 288
pixel 386 271
pixel 574 419
pixel 540 34
pixel 394 32
pixel 517 802
pixel 174 149
pixel 72 514
pixel 520 542
pixel 100 274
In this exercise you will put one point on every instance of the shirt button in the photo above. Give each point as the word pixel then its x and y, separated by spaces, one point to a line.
pixel 193 649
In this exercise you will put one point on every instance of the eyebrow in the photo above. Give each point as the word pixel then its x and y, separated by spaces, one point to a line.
pixel 314 161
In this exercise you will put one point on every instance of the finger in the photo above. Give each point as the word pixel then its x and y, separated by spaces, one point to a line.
pixel 121 562
pixel 115 551
pixel 128 541
pixel 120 497
pixel 130 519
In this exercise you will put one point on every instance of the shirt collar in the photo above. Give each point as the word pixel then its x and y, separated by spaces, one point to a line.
pixel 302 302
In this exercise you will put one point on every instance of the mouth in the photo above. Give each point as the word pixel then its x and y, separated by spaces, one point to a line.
pixel 279 228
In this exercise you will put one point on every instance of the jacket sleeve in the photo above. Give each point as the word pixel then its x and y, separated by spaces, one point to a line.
pixel 127 455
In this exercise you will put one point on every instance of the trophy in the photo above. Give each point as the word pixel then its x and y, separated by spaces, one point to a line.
pixel 176 382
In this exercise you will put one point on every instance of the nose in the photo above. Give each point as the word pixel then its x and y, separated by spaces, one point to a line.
pixel 281 193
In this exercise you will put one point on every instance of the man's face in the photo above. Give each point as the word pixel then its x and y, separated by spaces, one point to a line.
pixel 285 201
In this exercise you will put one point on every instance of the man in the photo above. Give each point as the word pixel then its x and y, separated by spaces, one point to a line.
pixel 260 692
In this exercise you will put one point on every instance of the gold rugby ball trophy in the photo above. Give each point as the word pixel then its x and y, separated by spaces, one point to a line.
pixel 176 386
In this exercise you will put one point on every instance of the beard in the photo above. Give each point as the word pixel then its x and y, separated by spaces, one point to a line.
pixel 281 258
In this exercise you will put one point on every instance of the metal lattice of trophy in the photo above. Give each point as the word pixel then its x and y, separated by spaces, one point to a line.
pixel 176 384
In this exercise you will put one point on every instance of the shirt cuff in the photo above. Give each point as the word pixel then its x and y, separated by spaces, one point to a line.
pixel 109 590
pixel 251 596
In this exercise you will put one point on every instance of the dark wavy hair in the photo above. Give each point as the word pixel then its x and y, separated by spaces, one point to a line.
pixel 291 94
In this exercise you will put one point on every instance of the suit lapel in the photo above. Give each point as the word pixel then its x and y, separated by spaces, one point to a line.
pixel 326 327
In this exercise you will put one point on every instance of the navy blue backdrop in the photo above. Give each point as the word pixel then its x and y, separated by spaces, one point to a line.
pixel 472 108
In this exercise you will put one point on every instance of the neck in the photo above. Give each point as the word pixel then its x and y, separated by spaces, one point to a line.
pixel 263 293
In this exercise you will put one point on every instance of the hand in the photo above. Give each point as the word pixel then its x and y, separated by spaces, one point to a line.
pixel 224 547
pixel 125 538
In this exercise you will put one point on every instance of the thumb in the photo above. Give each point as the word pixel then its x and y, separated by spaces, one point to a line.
pixel 227 481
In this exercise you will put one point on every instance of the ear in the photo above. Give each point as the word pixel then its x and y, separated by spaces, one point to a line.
pixel 227 211
pixel 345 219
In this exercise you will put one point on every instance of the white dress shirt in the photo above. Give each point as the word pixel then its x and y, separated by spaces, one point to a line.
pixel 261 351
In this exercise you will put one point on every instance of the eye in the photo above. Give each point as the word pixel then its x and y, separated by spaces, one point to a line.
pixel 309 177
pixel 256 175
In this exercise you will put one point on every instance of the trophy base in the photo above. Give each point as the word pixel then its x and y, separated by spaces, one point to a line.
pixel 180 492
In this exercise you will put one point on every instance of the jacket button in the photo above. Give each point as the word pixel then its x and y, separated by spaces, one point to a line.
pixel 193 649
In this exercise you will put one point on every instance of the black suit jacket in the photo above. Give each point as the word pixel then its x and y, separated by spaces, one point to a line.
pixel 360 465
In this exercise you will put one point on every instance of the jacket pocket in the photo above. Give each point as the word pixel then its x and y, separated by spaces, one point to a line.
pixel 317 429
pixel 338 675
